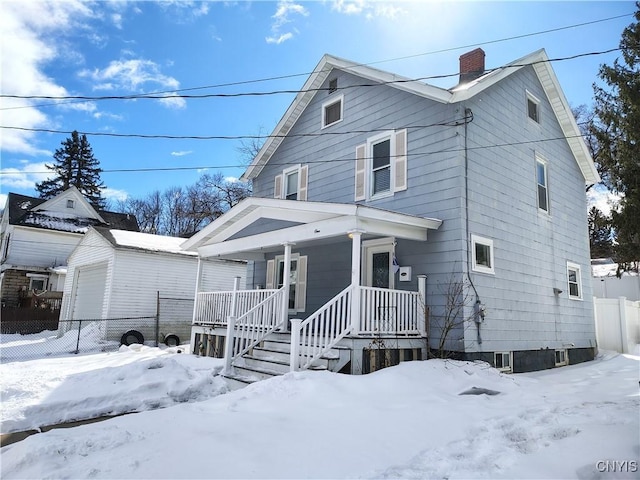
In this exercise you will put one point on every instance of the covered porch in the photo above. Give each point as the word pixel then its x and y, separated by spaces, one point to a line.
pixel 324 273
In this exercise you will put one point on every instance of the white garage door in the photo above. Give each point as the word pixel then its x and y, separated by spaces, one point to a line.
pixel 90 288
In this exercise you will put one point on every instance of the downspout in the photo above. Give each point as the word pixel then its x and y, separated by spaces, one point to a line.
pixel 478 314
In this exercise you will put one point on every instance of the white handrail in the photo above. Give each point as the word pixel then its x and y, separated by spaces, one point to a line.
pixel 252 327
pixel 215 307
pixel 321 331
pixel 389 312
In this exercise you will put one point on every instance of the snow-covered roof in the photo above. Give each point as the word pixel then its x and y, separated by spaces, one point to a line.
pixel 144 241
pixel 606 267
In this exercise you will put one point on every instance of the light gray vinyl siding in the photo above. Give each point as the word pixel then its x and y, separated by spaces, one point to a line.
pixel 37 247
pixel 531 247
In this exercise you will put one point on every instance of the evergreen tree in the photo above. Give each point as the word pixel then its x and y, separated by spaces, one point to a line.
pixel 617 130
pixel 75 166
pixel 600 234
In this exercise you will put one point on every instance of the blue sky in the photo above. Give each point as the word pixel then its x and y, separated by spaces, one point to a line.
pixel 115 48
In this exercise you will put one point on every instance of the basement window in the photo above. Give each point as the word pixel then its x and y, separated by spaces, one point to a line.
pixel 561 358
pixel 502 361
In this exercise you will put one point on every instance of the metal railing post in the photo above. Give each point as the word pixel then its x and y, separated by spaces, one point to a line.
pixel 294 359
pixel 78 341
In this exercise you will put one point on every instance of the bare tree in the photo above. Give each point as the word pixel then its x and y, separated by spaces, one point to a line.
pixel 447 323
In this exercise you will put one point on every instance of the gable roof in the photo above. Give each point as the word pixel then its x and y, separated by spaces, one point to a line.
pixel 29 211
pixel 538 59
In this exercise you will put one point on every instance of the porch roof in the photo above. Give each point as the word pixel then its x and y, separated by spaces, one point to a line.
pixel 313 222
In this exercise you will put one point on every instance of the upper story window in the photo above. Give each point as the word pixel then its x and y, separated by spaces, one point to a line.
pixel 333 85
pixel 541 179
pixel 482 254
pixel 292 183
pixel 332 111
pixel 381 165
pixel 574 281
pixel 533 107
pixel 70 204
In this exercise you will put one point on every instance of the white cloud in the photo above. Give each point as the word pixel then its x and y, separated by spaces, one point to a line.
pixel 25 177
pixel 182 153
pixel 116 18
pixel 132 75
pixel 114 194
pixel 369 9
pixel 285 11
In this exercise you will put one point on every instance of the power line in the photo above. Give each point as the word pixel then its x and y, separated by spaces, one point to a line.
pixel 282 77
pixel 146 96
pixel 452 123
pixel 315 162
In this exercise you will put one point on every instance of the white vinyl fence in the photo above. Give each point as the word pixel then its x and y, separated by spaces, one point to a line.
pixel 617 324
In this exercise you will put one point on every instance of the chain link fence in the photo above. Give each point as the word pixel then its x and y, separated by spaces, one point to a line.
pixel 169 325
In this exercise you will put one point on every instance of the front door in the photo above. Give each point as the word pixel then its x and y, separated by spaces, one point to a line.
pixel 378 263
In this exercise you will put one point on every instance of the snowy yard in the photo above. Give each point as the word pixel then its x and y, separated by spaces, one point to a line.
pixel 408 421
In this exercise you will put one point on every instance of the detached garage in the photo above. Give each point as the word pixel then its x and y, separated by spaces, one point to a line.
pixel 138 282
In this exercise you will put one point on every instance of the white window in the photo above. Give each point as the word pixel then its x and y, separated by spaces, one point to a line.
pixel 297 279
pixel 533 107
pixel 381 165
pixel 502 361
pixel 37 282
pixel 332 111
pixel 291 184
pixel 482 255
pixel 70 204
pixel 5 246
pixel 561 358
pixel 574 281
pixel 541 179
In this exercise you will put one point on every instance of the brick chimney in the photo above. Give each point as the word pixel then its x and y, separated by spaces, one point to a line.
pixel 471 65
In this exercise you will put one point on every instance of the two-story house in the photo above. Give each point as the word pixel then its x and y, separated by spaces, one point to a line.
pixel 37 237
pixel 392 219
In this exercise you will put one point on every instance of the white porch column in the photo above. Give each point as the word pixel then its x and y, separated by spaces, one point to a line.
pixel 286 284
pixel 195 295
pixel 356 249
pixel 231 329
pixel 422 305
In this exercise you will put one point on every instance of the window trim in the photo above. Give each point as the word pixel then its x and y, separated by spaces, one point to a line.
pixel 476 239
pixel 371 142
pixel 37 277
pixel 536 101
pixel 507 369
pixel 300 285
pixel 329 103
pixel 578 283
pixel 70 203
pixel 541 161
pixel 565 359
pixel 285 176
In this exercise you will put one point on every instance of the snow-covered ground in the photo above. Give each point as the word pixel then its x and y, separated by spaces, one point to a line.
pixel 408 421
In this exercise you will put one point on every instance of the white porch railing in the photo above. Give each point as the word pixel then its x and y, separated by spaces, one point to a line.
pixel 382 312
pixel 213 308
pixel 389 312
pixel 320 332
pixel 249 329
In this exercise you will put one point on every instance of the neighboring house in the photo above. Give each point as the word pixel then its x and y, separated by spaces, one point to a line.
pixel 606 283
pixel 126 279
pixel 37 237
pixel 375 193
